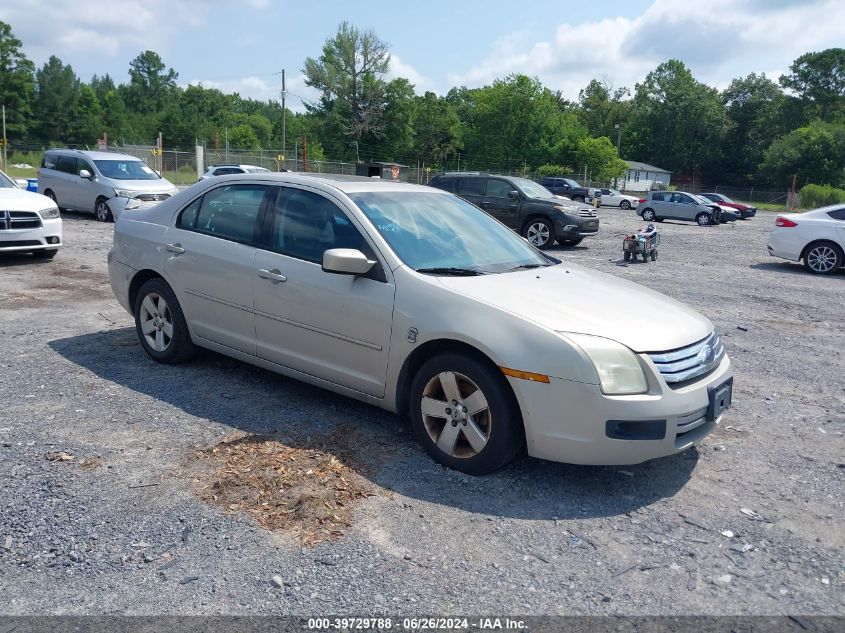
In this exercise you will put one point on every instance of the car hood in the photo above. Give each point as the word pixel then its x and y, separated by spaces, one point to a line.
pixel 570 298
pixel 161 185
pixel 20 200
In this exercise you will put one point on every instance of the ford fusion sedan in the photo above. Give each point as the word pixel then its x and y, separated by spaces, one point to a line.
pixel 413 300
pixel 817 237
pixel 103 183
pixel 29 222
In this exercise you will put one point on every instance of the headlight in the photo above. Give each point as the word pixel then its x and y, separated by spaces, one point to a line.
pixel 133 203
pixel 125 193
pixel 567 208
pixel 50 213
pixel 620 373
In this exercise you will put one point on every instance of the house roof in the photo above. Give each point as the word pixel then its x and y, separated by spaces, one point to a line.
pixel 633 164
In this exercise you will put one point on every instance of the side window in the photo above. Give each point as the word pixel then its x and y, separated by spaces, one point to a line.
pixel 471 186
pixel 230 212
pixel 837 214
pixel 446 184
pixel 657 197
pixel 498 188
pixel 223 171
pixel 66 164
pixel 82 164
pixel 306 224
pixel 49 161
pixel 188 216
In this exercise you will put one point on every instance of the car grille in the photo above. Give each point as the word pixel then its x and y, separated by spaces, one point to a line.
pixel 18 220
pixel 587 213
pixel 14 243
pixel 679 365
pixel 152 197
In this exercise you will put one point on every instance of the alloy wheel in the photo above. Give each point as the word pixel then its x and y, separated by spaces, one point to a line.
pixel 538 234
pixel 821 259
pixel 156 322
pixel 456 414
pixel 102 211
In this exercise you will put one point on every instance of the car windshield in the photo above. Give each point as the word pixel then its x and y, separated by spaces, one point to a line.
pixel 126 170
pixel 441 233
pixel 531 189
pixel 614 192
pixel 701 199
pixel 6 182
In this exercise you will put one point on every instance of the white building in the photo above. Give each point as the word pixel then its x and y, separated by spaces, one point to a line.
pixel 643 177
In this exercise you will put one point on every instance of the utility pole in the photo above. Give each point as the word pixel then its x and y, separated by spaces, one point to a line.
pixel 5 158
pixel 284 94
pixel 618 139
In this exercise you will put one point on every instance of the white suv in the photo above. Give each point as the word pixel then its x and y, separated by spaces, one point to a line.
pixel 29 222
pixel 225 170
pixel 105 183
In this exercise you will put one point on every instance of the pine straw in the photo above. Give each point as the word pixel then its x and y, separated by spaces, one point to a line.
pixel 308 492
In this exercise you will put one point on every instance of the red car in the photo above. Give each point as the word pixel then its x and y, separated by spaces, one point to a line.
pixel 745 210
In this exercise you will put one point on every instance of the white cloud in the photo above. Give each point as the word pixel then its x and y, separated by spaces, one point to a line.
pixel 398 68
pixel 264 88
pixel 717 39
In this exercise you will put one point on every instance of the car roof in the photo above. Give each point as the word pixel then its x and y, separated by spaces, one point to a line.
pixel 94 155
pixel 341 182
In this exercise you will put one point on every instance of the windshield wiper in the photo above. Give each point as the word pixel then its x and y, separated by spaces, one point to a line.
pixel 529 266
pixel 466 272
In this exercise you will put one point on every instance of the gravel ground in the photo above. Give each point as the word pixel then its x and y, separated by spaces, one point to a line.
pixel 120 529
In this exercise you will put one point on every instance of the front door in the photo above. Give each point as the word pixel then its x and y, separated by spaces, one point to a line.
pixel 209 257
pixel 335 327
pixel 684 207
pixel 498 203
pixel 471 189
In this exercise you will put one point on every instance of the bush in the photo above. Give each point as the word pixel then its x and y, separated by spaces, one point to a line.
pixel 552 170
pixel 813 196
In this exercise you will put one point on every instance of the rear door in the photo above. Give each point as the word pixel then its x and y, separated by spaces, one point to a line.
pixel 838 218
pixel 64 183
pixel 471 189
pixel 498 203
pixel 335 327
pixel 209 256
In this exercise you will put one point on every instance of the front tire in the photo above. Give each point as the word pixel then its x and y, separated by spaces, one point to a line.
pixel 102 211
pixel 49 193
pixel 625 205
pixel 161 325
pixel 648 215
pixel 578 199
pixel 823 258
pixel 465 415
pixel 703 219
pixel 540 232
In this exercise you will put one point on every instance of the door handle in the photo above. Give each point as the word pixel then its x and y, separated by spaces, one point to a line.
pixel 485 203
pixel 274 275
pixel 174 248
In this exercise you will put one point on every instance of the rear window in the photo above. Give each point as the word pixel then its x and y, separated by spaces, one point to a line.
pixel 443 182
pixel 657 196
pixel 837 214
pixel 49 161
pixel 66 164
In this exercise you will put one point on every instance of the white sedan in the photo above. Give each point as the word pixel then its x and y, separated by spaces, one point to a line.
pixel 817 237
pixel 615 198
pixel 29 222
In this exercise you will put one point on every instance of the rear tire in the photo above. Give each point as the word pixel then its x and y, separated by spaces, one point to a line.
pixel 625 205
pixel 160 324
pixel 626 256
pixel 648 215
pixel 654 255
pixel 823 258
pixel 473 443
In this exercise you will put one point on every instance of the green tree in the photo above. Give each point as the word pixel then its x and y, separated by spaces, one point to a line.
pixel 348 75
pixel 17 83
pixel 436 128
pixel 243 137
pixel 677 122
pixel 86 121
pixel 755 107
pixel 601 108
pixel 815 153
pixel 151 83
pixel 57 92
pixel 599 157
pixel 819 80
pixel 397 130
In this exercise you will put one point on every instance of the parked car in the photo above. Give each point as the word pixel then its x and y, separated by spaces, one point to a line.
pixel 523 205
pixel 817 237
pixel 29 222
pixel 745 211
pixel 413 300
pixel 676 205
pixel 224 170
pixel 615 198
pixel 570 188
pixel 104 183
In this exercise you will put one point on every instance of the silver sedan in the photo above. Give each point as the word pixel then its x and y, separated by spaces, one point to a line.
pixel 413 300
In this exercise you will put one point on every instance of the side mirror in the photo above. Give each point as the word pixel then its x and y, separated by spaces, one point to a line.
pixel 84 173
pixel 22 183
pixel 513 194
pixel 346 261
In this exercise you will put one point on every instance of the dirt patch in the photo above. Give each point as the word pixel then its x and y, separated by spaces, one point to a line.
pixel 307 491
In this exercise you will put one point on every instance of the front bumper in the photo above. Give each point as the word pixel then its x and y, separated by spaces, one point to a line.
pixel 567 421
pixel 47 236
pixel 118 206
pixel 576 227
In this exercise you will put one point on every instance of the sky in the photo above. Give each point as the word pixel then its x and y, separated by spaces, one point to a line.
pixel 241 46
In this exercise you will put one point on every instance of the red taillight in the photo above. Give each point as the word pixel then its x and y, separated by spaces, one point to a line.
pixel 785 223
pixel 642 200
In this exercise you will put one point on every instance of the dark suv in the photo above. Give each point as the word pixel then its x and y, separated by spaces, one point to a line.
pixel 530 209
pixel 571 189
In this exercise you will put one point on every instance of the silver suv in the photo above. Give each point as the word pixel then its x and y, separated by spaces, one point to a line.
pixel 105 183
pixel 677 205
